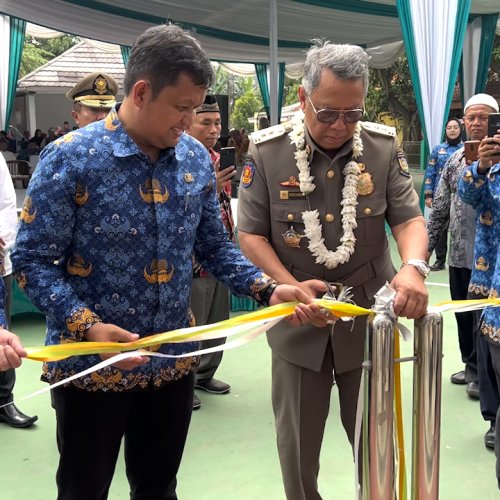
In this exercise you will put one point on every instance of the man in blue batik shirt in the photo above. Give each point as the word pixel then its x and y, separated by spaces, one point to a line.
pixel 111 219
pixel 479 186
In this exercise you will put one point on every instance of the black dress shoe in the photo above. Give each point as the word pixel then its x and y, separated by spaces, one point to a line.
pixel 437 266
pixel 472 390
pixel 458 378
pixel 213 386
pixel 489 437
pixel 196 402
pixel 10 415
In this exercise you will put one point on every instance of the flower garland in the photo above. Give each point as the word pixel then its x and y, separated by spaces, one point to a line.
pixel 313 228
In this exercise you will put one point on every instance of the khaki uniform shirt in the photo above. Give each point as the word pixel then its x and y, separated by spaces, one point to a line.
pixel 267 208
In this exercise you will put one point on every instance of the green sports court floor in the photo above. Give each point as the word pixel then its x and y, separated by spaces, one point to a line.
pixel 230 452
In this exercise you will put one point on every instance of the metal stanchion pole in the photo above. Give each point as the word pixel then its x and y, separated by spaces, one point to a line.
pixel 428 349
pixel 378 417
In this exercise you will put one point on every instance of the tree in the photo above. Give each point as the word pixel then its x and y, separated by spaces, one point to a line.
pixel 291 91
pixel 231 85
pixel 391 90
pixel 245 107
pixel 38 51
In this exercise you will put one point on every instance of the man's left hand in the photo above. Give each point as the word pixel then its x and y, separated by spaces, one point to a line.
pixel 306 312
pixel 411 293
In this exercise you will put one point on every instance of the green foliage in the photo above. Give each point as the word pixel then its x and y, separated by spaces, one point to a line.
pixel 38 51
pixel 245 107
pixel 231 85
pixel 291 91
pixel 391 91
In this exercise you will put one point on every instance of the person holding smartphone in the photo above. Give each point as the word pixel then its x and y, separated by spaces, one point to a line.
pixel 209 297
pixel 465 276
pixel 479 186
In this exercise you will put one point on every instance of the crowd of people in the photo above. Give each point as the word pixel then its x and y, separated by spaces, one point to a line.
pixel 127 231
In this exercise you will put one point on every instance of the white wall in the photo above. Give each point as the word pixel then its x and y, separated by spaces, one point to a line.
pixel 52 111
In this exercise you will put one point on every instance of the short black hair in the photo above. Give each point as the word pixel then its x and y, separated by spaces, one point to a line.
pixel 161 54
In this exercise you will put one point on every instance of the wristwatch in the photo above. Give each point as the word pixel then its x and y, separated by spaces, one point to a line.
pixel 420 265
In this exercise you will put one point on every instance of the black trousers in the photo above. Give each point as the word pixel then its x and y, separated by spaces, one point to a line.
pixel 495 358
pixel 90 428
pixel 7 378
pixel 466 326
pixel 441 248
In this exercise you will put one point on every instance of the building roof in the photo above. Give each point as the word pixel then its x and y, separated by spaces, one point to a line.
pixel 61 74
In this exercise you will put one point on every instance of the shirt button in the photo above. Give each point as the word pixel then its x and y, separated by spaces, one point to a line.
pixel 290 217
pixel 329 217
pixel 367 211
pixel 330 174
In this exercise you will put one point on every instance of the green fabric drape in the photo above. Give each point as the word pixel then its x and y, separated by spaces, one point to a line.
pixel 458 42
pixel 125 54
pixel 488 27
pixel 17 33
pixel 404 12
pixel 281 86
pixel 261 70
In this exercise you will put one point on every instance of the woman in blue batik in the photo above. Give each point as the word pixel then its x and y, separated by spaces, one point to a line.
pixel 437 160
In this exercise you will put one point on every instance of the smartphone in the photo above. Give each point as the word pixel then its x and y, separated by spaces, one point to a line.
pixel 471 149
pixel 493 124
pixel 227 158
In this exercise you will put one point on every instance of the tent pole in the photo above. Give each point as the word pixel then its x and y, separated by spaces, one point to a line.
pixel 273 61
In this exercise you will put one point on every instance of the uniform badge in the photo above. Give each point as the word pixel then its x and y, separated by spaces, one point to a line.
pixel 468 178
pixel 442 151
pixel 100 85
pixel 482 264
pixel 404 169
pixel 365 184
pixel 292 238
pixel 188 177
pixel 428 181
pixel 247 173
pixel 291 182
pixel 486 218
pixel 432 161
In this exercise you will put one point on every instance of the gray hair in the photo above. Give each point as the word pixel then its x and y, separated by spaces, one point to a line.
pixel 161 54
pixel 346 62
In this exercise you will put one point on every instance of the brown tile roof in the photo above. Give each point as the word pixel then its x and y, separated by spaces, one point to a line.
pixel 60 74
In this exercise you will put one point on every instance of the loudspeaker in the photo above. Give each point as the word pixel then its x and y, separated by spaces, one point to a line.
pixel 223 101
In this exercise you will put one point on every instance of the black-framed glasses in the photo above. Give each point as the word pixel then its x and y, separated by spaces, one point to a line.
pixel 330 116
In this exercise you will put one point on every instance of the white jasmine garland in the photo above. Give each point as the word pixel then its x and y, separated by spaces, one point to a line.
pixel 313 229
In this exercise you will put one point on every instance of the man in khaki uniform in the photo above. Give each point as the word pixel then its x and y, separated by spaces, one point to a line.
pixel 93 97
pixel 333 157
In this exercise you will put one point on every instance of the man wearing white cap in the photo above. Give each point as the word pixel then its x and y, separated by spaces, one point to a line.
pixel 478 375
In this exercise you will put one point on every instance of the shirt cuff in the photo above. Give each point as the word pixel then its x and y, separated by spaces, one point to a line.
pixel 80 321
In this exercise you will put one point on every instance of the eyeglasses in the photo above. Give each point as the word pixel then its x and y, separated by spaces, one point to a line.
pixel 332 115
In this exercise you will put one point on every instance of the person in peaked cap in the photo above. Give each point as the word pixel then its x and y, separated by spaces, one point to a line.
pixel 93 97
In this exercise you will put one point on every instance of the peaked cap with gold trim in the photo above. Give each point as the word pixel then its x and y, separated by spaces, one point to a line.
pixel 97 90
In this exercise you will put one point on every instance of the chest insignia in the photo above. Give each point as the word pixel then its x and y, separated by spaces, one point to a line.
pixel 365 184
pixel 288 195
pixel 442 151
pixel 188 177
pixel 291 182
pixel 292 238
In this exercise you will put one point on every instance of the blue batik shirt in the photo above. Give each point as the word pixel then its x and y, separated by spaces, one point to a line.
pixel 438 157
pixel 483 193
pixel 107 235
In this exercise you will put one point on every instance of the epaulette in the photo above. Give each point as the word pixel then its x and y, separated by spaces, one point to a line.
pixel 379 128
pixel 270 133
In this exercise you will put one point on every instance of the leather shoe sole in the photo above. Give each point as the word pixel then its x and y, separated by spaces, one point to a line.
pixel 10 415
pixel 489 438
pixel 196 402
pixel 458 378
